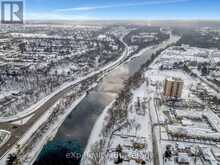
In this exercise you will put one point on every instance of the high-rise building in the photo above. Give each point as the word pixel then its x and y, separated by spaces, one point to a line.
pixel 173 87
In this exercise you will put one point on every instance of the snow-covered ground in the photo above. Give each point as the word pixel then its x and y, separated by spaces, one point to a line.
pixel 36 106
pixel 200 126
pixel 44 118
pixel 185 53
pixel 136 131
pixel 4 137
pixel 50 56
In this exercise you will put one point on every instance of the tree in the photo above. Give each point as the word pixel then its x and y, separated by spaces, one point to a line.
pixel 22 47
pixel 119 154
pixel 204 71
pixel 168 152
pixel 11 160
pixel 95 154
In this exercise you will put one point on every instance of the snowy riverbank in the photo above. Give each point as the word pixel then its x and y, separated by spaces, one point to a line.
pixel 100 124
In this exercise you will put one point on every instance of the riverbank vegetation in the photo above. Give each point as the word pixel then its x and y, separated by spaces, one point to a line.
pixel 116 116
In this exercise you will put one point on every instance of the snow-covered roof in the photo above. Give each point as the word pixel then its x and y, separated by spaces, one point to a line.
pixel 183 158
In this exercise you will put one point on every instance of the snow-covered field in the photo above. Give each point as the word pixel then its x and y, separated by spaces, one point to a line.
pixel 134 133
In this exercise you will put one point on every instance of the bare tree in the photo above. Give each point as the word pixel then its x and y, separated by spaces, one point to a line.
pixel 96 153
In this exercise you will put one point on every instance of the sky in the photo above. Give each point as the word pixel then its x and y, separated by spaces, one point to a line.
pixel 122 9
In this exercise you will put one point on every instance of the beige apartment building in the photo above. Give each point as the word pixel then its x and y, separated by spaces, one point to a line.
pixel 173 87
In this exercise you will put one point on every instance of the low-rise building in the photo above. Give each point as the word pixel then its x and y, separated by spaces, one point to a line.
pixel 183 158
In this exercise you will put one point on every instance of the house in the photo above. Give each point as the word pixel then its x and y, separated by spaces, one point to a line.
pixel 183 159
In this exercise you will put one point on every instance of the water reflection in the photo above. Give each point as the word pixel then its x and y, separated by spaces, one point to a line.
pixel 82 119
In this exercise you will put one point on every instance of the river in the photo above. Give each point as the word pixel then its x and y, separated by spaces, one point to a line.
pixel 78 125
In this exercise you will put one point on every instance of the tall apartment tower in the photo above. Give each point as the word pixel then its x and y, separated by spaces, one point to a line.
pixel 173 87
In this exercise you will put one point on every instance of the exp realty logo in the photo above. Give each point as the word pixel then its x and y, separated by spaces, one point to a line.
pixel 12 12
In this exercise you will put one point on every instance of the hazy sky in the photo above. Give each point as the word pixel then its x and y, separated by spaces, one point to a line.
pixel 122 9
